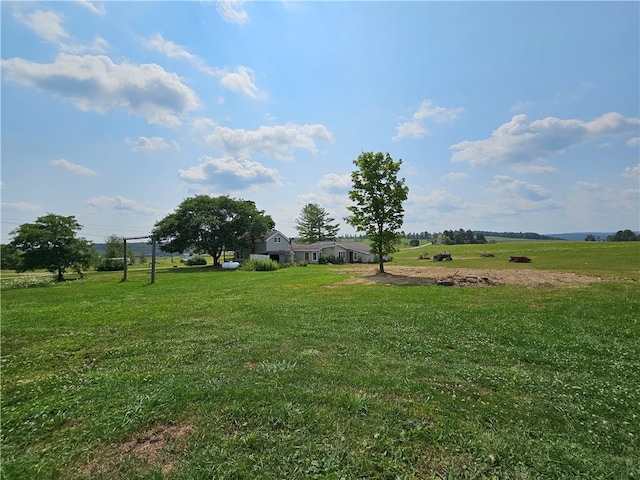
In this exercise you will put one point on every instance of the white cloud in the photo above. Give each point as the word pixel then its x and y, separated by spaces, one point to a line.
pixel 633 142
pixel 241 81
pixel 97 9
pixel 99 45
pixel 21 206
pixel 73 167
pixel 121 204
pixel 95 83
pixel 454 176
pixel 48 25
pixel 45 24
pixel 521 141
pixel 228 173
pixel 144 144
pixel 335 183
pixel 203 123
pixel 231 11
pixel 511 188
pixel 277 141
pixel 416 128
pixel 632 172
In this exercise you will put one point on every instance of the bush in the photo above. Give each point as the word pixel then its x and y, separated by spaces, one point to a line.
pixel 255 265
pixel 414 242
pixel 325 259
pixel 197 260
pixel 110 265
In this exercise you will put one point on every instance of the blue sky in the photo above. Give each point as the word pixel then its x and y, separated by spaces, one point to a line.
pixel 508 116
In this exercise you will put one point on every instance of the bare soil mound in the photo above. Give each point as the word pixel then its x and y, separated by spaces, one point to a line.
pixel 158 447
pixel 466 277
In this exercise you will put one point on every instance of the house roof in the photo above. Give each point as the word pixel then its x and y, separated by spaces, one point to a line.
pixel 272 233
pixel 360 247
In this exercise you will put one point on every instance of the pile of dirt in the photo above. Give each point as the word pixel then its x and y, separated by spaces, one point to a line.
pixel 466 277
pixel 159 447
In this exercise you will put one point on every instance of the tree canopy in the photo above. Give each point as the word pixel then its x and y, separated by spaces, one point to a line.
pixel 377 193
pixel 212 225
pixel 51 243
pixel 623 236
pixel 315 225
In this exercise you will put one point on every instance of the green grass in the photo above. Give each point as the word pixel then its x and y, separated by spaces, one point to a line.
pixel 610 259
pixel 298 374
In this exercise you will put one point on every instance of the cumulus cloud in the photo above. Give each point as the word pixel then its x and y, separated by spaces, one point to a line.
pixel 73 167
pixel 121 204
pixel 517 188
pixel 632 172
pixel 241 81
pixel 46 24
pixel 203 123
pixel 230 173
pixel 335 183
pixel 144 144
pixel 97 9
pixel 277 141
pixel 232 12
pixel 416 128
pixel 95 83
pixel 521 141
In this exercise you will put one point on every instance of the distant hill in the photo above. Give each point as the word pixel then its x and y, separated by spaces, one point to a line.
pixel 580 236
pixel 520 235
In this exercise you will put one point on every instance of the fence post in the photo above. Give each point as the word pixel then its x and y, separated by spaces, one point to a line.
pixel 124 260
pixel 153 260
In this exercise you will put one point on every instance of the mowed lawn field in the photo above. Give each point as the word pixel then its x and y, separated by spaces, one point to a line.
pixel 307 373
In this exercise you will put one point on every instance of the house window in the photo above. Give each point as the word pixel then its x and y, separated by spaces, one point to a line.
pixel 342 254
pixel 314 256
pixel 277 240
pixel 355 256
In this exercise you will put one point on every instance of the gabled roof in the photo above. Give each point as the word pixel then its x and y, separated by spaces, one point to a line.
pixel 271 233
pixel 360 247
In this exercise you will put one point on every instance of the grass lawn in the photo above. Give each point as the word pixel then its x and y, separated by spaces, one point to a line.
pixel 300 374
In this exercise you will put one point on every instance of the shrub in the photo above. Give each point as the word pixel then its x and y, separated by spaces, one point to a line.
pixel 110 265
pixel 197 260
pixel 414 242
pixel 325 259
pixel 255 265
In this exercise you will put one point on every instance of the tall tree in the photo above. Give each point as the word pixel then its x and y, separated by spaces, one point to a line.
pixel 51 243
pixel 212 225
pixel 378 194
pixel 315 225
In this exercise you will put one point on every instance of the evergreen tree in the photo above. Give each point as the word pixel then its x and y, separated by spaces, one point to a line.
pixel 315 225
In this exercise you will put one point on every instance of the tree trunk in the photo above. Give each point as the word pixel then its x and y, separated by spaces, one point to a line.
pixel 381 265
pixel 60 274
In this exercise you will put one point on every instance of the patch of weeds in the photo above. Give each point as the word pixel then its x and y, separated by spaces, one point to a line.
pixel 27 282
pixel 276 367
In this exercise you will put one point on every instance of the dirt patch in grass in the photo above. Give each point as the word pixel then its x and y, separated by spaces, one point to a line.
pixel 159 447
pixel 466 277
